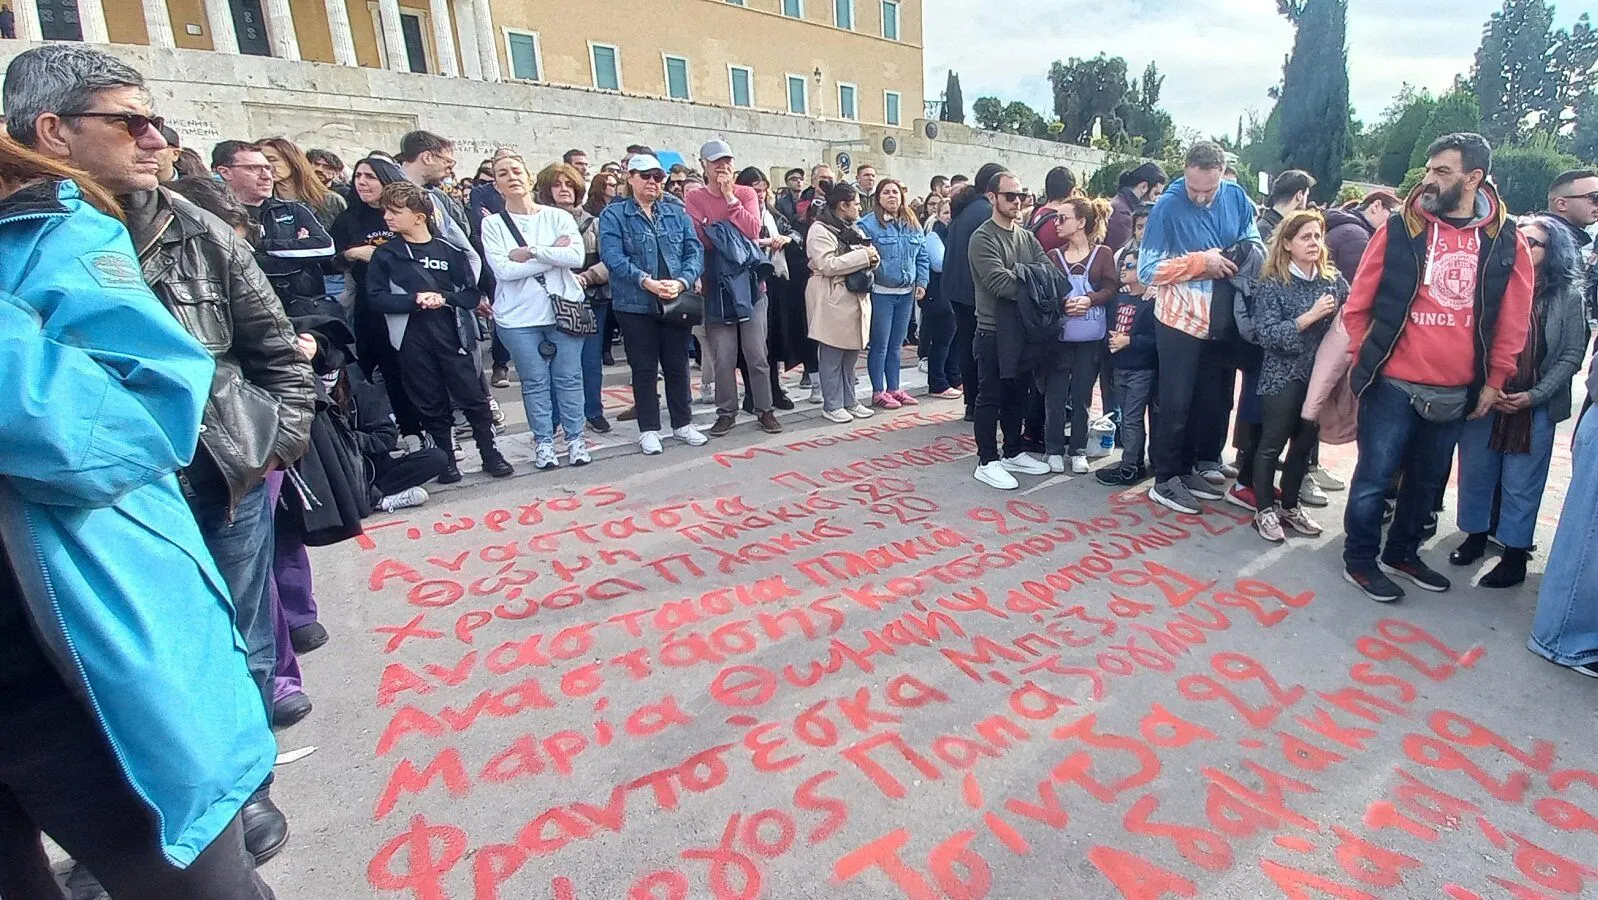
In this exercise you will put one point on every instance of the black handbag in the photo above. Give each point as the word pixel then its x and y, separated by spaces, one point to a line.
pixel 573 317
pixel 685 310
pixel 858 282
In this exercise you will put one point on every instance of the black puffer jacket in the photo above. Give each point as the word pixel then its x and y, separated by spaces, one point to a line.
pixel 262 397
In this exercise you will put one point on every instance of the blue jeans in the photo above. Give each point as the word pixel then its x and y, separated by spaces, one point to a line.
pixel 890 322
pixel 1393 438
pixel 564 371
pixel 1565 627
pixel 1523 476
pixel 593 369
pixel 937 339
pixel 243 553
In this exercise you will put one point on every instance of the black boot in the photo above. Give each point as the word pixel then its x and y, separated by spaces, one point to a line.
pixel 1473 549
pixel 445 440
pixel 1510 571
pixel 266 830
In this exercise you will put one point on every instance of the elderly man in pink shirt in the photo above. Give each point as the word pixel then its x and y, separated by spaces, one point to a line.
pixel 721 200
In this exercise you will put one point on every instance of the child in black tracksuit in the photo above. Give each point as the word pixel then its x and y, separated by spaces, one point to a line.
pixel 1136 364
pixel 428 293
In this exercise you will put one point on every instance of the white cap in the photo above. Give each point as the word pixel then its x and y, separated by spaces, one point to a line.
pixel 643 162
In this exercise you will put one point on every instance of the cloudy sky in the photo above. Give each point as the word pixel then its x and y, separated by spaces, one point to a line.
pixel 1219 56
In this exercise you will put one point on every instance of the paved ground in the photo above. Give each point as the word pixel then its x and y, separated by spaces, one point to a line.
pixel 830 664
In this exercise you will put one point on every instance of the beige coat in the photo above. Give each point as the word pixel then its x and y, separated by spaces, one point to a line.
pixel 836 317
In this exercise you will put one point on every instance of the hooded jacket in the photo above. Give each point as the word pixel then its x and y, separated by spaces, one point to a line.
pixel 1119 230
pixel 1347 235
pixel 101 395
pixel 293 264
pixel 958 285
pixel 1438 305
pixel 262 396
pixel 1171 257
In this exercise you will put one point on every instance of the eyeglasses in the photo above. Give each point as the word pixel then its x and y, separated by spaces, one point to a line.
pixel 1535 243
pixel 1589 197
pixel 257 169
pixel 652 176
pixel 136 123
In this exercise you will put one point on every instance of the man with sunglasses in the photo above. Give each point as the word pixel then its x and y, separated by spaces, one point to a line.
pixel 76 104
pixel 1573 200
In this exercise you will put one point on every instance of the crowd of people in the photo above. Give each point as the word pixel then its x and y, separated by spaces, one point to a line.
pixel 209 369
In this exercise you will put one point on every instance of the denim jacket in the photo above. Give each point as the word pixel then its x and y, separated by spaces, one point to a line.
pixel 906 262
pixel 628 247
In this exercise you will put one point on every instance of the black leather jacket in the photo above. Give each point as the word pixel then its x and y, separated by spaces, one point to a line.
pixel 262 397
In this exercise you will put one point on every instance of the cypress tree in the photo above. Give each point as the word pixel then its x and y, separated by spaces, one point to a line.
pixel 953 100
pixel 1314 105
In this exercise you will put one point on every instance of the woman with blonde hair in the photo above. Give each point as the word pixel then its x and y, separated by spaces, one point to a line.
pixel 1079 226
pixel 1298 292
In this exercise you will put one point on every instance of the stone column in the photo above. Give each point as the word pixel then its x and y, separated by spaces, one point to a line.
pixel 443 38
pixel 280 29
pixel 159 24
pixel 487 45
pixel 338 25
pixel 388 14
pixel 91 18
pixel 219 15
pixel 28 27
pixel 471 59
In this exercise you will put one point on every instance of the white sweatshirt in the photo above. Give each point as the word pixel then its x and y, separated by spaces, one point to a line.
pixel 519 300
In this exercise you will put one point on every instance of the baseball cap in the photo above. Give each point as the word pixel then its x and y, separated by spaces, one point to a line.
pixel 714 150
pixel 643 162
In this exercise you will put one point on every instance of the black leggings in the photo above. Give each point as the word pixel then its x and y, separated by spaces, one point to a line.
pixel 1284 427
pixel 654 349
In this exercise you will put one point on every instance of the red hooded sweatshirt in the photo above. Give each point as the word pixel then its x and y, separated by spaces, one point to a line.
pixel 1436 346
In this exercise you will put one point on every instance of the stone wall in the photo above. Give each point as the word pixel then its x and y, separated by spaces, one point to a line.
pixel 211 96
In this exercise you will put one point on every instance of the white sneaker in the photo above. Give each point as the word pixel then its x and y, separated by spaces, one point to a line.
pixel 455 440
pixel 860 411
pixel 577 452
pixel 921 366
pixel 1079 465
pixel 403 500
pixel 995 475
pixel 544 456
pixel 411 443
pixel 815 395
pixel 706 398
pixel 1056 463
pixel 1026 464
pixel 497 414
pixel 690 435
pixel 841 416
pixel 649 441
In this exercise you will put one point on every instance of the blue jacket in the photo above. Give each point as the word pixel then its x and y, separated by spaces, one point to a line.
pixel 735 268
pixel 906 261
pixel 628 245
pixel 1179 228
pixel 101 393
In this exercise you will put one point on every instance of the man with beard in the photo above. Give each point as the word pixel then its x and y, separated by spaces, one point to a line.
pixel 1438 313
pixel 1136 187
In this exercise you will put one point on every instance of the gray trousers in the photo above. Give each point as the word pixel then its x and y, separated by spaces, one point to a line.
pixel 724 341
pixel 1136 387
pixel 837 377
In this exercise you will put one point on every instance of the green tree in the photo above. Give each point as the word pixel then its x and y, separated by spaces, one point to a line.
pixel 1454 111
pixel 1410 181
pixel 1401 139
pixel 1105 179
pixel 1089 89
pixel 1584 140
pixel 1524 173
pixel 989 113
pixel 1530 76
pixel 953 100
pixel 1143 117
pixel 1314 102
pixel 1022 119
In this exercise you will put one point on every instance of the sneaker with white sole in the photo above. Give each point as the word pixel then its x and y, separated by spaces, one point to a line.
pixel 649 442
pixel 1202 487
pixel 840 416
pixel 1326 480
pixel 1026 464
pixel 815 395
pixel 1056 463
pixel 544 456
pixel 577 452
pixel 921 366
pixel 861 411
pixel 403 500
pixel 1373 583
pixel 496 414
pixel 1269 525
pixel 1590 670
pixel 1079 465
pixel 455 442
pixel 691 435
pixel 1310 494
pixel 1212 473
pixel 1299 521
pixel 1172 493
pixel 1241 496
pixel 995 475
pixel 1425 577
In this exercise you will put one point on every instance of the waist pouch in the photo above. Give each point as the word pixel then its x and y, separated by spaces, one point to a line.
pixel 1434 404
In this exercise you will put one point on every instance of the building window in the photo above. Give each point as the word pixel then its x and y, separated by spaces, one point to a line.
pixel 606 62
pixel 677 78
pixel 890 19
pixel 526 61
pixel 846 102
pixel 890 107
pixel 741 85
pixel 843 14
pixel 793 9
pixel 736 2
pixel 798 95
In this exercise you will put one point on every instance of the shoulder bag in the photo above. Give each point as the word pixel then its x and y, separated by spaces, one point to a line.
pixel 573 317
pixel 687 309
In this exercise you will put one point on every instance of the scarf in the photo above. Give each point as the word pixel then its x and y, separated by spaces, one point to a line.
pixel 1512 431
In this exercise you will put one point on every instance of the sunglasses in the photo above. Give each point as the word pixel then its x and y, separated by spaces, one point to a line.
pixel 1590 197
pixel 678 182
pixel 652 176
pixel 136 123
pixel 1013 196
pixel 1535 243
